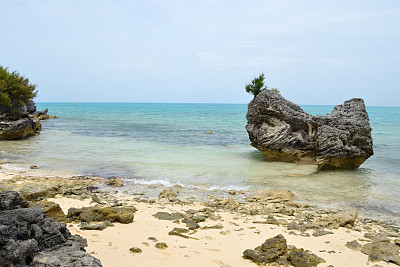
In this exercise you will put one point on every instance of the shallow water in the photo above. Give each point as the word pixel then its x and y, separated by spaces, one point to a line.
pixel 168 144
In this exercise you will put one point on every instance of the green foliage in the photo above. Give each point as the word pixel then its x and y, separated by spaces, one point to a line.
pixel 15 90
pixel 276 90
pixel 256 85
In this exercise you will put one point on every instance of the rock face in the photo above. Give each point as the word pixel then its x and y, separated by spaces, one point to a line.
pixel 19 129
pixel 28 238
pixel 282 131
pixel 23 124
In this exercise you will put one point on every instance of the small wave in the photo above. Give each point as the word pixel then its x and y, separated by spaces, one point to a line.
pixel 12 167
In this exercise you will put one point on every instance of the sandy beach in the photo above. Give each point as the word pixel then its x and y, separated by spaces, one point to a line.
pixel 226 227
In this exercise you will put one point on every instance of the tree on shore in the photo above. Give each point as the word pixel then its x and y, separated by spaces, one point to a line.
pixel 15 91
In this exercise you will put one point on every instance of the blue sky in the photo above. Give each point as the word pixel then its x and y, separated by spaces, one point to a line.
pixel 315 52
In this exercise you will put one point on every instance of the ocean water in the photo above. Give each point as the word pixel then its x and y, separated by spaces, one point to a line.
pixel 168 144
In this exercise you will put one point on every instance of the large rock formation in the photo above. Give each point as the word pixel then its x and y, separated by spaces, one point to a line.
pixel 282 131
pixel 28 238
pixel 22 124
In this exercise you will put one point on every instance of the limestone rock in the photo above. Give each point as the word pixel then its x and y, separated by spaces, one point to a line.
pixel 383 250
pixel 99 213
pixel 301 258
pixel 19 129
pixel 272 196
pixel 269 251
pixel 117 182
pixel 28 238
pixel 10 200
pixel 282 131
pixel 167 194
pixel 337 220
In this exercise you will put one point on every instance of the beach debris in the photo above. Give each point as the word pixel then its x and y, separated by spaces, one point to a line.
pixel 162 215
pixel 26 231
pixel 161 245
pixel 135 250
pixel 124 214
pixel 168 195
pixel 115 182
pixel 353 245
pixel 208 132
pixel 282 131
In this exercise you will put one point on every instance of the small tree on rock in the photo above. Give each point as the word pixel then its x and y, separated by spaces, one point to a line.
pixel 256 85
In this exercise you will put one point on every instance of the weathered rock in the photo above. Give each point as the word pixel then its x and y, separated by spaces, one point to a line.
pixel 99 213
pixel 337 220
pixel 269 251
pixel 161 245
pixel 272 196
pixel 50 209
pixel 95 225
pixel 19 129
pixel 353 245
pixel 10 200
pixel 282 131
pixel 301 258
pixel 191 224
pixel 167 194
pixel 383 250
pixel 27 237
pixel 117 182
pixel 135 250
pixel 321 232
pixel 168 216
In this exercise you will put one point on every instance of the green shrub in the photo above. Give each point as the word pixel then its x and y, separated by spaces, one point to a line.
pixel 15 91
pixel 276 90
pixel 256 85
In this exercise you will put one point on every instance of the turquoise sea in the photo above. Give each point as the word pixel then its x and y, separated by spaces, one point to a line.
pixel 168 144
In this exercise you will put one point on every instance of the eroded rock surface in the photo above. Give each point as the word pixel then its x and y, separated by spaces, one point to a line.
pixel 28 238
pixel 282 131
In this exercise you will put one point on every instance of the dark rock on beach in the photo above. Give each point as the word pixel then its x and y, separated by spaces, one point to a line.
pixel 276 250
pixel 282 131
pixel 28 238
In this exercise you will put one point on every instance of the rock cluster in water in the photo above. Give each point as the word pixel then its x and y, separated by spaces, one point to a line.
pixel 282 131
pixel 23 124
pixel 28 238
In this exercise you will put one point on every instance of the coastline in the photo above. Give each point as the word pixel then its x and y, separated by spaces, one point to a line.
pixel 231 225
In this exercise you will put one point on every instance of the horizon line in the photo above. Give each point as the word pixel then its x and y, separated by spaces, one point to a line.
pixel 211 103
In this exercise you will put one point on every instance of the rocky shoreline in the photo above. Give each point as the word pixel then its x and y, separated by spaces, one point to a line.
pixel 266 228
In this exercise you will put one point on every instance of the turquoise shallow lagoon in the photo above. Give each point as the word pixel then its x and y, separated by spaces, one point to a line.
pixel 168 144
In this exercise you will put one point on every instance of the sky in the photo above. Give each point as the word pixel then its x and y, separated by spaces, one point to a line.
pixel 184 51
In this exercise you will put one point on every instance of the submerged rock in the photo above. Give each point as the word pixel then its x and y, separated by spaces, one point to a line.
pixel 282 131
